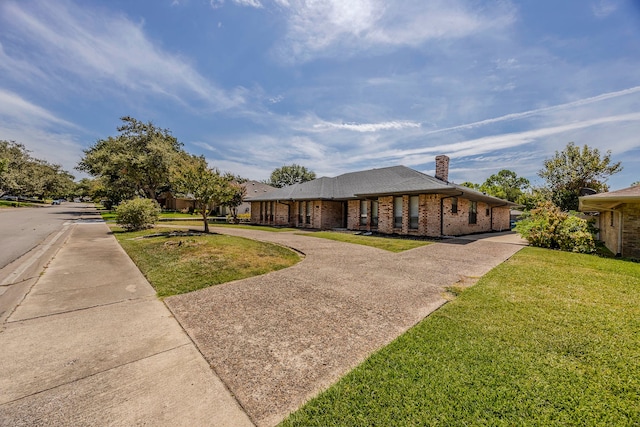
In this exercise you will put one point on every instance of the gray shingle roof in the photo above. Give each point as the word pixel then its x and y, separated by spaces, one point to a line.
pixel 371 183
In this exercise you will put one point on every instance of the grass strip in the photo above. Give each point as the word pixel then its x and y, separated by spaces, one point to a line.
pixel 181 264
pixel 387 243
pixel 13 204
pixel 546 338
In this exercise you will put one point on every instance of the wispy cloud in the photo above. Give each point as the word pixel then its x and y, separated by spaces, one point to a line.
pixel 538 111
pixel 492 143
pixel 368 127
pixel 15 108
pixel 251 3
pixel 105 50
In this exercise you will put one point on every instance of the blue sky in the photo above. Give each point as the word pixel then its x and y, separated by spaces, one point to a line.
pixel 334 85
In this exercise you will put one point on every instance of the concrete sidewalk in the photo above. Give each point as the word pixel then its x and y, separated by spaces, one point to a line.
pixel 92 345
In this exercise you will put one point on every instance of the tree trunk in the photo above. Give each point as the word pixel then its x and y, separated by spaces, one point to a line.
pixel 205 219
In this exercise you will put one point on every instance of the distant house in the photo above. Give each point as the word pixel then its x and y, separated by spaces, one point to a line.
pixel 253 189
pixel 188 203
pixel 170 202
pixel 392 200
pixel 618 219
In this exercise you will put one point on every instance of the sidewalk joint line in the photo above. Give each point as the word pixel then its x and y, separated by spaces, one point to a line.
pixel 94 374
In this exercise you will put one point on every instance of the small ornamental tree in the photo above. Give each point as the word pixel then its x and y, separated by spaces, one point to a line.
pixel 207 186
pixel 547 226
pixel 137 214
pixel 237 194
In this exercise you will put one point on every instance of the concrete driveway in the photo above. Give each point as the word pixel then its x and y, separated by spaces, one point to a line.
pixel 277 340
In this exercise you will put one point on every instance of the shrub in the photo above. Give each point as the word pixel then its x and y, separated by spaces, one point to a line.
pixel 137 214
pixel 547 226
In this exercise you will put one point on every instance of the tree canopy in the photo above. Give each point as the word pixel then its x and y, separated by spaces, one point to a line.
pixel 138 161
pixel 505 184
pixel 289 175
pixel 574 168
pixel 23 174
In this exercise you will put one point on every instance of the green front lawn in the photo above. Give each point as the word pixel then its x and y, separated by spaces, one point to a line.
pixel 546 338
pixel 180 264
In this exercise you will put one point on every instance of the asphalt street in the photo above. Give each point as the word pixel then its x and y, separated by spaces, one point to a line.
pixel 22 229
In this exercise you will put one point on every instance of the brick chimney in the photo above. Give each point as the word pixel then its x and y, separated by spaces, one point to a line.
pixel 442 168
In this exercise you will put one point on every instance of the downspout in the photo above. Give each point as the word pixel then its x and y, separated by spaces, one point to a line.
pixel 442 211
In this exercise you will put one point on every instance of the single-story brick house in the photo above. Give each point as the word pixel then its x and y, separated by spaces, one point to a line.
pixel 618 219
pixel 392 200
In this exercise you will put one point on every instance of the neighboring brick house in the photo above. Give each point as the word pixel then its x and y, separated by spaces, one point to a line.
pixel 253 189
pixel 392 200
pixel 618 219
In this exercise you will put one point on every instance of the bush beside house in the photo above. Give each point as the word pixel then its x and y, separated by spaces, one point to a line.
pixel 548 227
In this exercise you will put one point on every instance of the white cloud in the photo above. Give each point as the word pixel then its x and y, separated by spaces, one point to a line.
pixel 368 127
pixel 316 27
pixel 216 4
pixel 250 3
pixel 603 8
pixel 102 49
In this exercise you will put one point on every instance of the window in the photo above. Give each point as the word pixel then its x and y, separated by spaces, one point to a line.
pixel 300 212
pixel 611 218
pixel 261 211
pixel 271 211
pixel 374 213
pixel 308 212
pixel 473 212
pixel 454 205
pixel 363 212
pixel 414 208
pixel 397 212
pixel 486 212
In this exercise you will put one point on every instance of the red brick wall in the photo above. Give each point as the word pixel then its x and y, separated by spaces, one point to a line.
pixel 329 214
pixel 432 214
pixel 501 218
pixel 385 214
pixel 353 214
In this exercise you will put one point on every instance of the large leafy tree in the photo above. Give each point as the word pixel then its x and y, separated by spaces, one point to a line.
pixel 289 175
pixel 575 168
pixel 138 161
pixel 209 188
pixel 506 185
pixel 23 174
